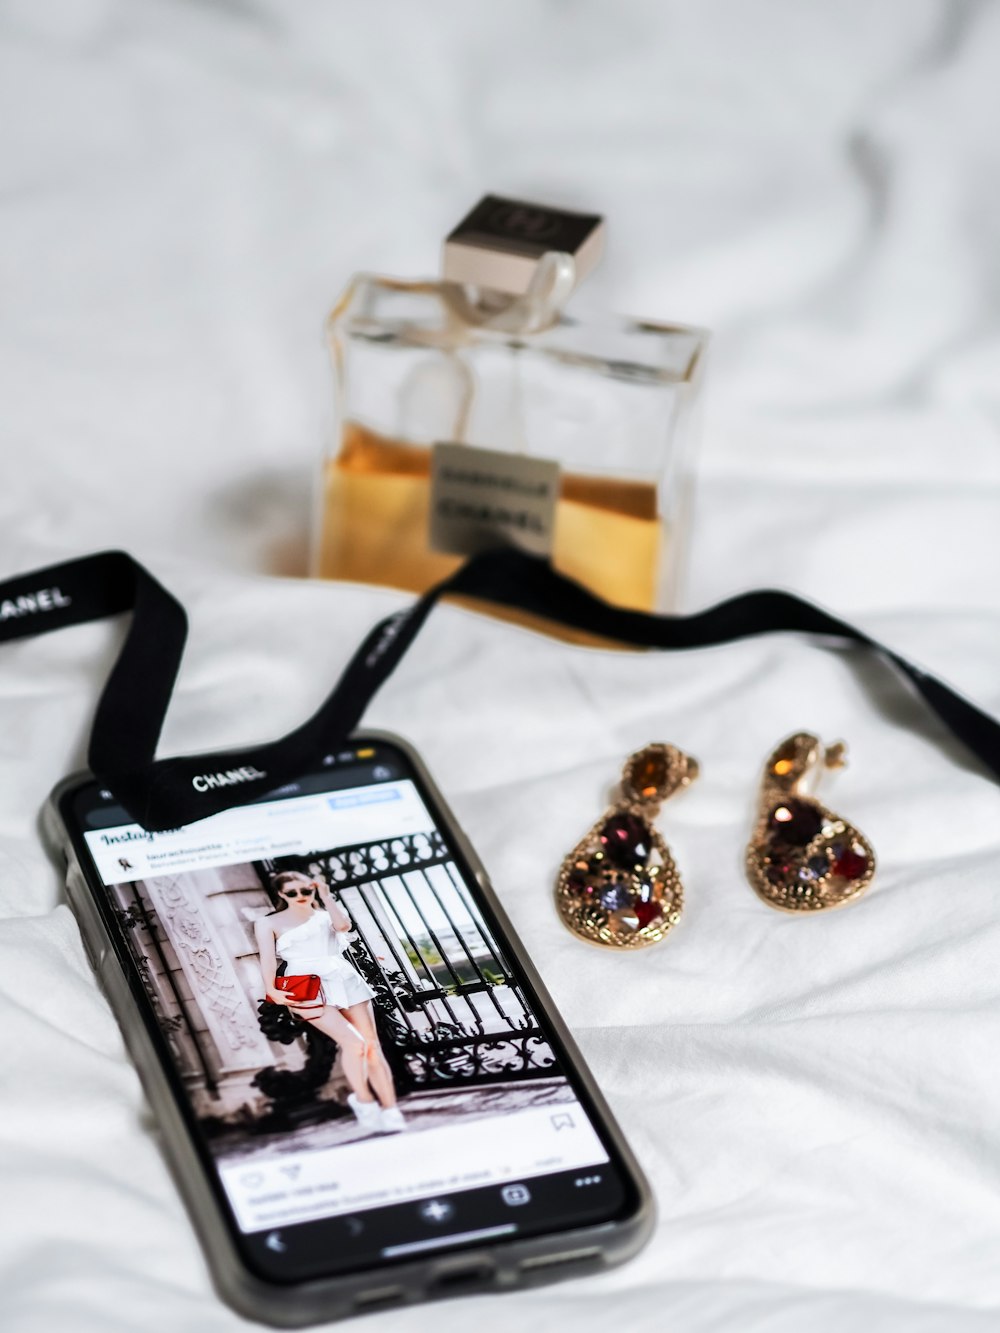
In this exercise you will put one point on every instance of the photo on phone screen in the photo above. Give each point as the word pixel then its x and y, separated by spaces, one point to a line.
pixel 409 1099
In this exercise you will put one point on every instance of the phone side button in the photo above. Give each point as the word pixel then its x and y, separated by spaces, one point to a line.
pixel 88 949
pixel 76 889
pixel 583 1259
pixel 476 1275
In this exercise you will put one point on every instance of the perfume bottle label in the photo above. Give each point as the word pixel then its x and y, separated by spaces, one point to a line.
pixel 481 498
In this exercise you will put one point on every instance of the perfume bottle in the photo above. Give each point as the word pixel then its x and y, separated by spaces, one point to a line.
pixel 473 410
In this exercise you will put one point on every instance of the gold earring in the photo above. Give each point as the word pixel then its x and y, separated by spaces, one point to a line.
pixel 619 886
pixel 803 858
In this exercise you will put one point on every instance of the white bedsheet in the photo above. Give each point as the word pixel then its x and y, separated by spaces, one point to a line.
pixel 185 189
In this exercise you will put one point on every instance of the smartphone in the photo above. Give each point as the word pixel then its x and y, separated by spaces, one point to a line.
pixel 416 1125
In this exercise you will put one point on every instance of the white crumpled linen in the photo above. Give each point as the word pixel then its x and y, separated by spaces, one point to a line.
pixel 187 187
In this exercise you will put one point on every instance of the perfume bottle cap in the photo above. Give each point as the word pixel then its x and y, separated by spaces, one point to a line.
pixel 500 244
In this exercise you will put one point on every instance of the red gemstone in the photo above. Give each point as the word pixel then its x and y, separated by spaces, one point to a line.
pixel 626 840
pixel 850 865
pixel 794 823
pixel 576 880
pixel 647 912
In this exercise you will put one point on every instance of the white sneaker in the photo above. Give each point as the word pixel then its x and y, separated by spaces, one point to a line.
pixel 392 1120
pixel 367 1114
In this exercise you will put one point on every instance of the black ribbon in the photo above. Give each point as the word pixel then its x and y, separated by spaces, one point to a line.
pixel 167 793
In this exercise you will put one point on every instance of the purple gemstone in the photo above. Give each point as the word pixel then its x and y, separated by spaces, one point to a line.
pixel 646 889
pixel 794 823
pixel 615 897
pixel 626 840
pixel 815 868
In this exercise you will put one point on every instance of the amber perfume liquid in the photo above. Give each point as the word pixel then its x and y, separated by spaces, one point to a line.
pixel 609 533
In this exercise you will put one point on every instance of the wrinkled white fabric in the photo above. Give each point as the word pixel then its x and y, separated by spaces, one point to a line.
pixel 186 189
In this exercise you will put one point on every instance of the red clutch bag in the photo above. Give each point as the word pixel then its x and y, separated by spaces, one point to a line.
pixel 302 989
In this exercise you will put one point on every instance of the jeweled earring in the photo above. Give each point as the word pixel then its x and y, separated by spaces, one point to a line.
pixel 803 858
pixel 619 886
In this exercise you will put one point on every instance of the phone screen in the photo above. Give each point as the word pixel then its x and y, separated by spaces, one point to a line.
pixel 411 1097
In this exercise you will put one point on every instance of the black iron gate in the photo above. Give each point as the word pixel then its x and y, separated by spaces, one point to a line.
pixel 449 1009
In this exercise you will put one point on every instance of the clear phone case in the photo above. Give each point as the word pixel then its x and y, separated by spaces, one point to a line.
pixel 498 1267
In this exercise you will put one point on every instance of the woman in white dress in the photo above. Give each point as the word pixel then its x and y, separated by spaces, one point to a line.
pixel 308 932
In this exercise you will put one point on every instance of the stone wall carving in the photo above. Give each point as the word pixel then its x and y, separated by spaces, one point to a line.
pixel 180 904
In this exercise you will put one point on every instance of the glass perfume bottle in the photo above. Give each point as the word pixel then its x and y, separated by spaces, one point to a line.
pixel 474 411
